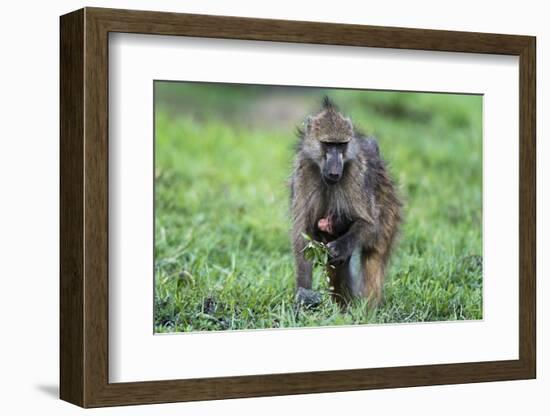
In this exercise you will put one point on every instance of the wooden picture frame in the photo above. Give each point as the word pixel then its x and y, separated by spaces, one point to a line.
pixel 84 207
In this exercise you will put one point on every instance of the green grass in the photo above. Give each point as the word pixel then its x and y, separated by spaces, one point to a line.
pixel 222 246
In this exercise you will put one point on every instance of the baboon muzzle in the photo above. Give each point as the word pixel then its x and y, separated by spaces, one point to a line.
pixel 334 166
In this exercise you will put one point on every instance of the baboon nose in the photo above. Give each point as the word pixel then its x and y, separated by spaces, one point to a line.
pixel 333 177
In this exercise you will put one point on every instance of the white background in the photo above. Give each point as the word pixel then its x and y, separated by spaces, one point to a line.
pixel 29 220
pixel 135 60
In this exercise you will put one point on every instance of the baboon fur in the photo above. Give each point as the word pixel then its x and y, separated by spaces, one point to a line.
pixel 362 205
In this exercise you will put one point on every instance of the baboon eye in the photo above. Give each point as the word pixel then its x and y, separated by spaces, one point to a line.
pixel 340 147
pixel 335 145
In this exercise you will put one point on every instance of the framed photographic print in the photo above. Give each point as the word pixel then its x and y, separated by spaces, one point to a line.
pixel 256 207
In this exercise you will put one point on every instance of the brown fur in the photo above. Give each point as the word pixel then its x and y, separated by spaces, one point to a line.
pixel 364 203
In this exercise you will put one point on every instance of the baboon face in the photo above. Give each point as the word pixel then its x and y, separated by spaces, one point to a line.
pixel 328 141
pixel 332 164
pixel 330 158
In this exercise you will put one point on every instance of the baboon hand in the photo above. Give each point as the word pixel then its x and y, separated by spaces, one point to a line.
pixel 339 251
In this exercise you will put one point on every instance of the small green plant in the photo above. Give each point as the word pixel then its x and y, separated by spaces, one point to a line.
pixel 317 253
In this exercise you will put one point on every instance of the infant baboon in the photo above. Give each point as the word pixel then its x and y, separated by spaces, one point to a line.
pixel 342 195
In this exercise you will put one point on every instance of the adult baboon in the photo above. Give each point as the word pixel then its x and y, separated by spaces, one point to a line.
pixel 342 195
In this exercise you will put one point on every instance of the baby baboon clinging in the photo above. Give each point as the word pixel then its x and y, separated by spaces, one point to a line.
pixel 342 195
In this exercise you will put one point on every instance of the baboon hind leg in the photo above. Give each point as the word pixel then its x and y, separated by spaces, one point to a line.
pixel 373 278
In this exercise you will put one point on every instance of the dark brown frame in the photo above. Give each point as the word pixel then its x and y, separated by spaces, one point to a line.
pixel 84 208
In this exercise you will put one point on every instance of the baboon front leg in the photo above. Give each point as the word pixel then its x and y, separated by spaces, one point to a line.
pixel 342 282
pixel 373 278
pixel 303 271
pixel 359 233
pixel 304 294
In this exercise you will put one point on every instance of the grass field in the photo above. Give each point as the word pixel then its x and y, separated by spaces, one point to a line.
pixel 222 247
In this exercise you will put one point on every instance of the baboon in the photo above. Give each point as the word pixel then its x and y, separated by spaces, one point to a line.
pixel 342 195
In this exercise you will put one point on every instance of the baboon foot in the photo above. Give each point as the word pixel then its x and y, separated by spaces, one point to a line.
pixel 308 298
